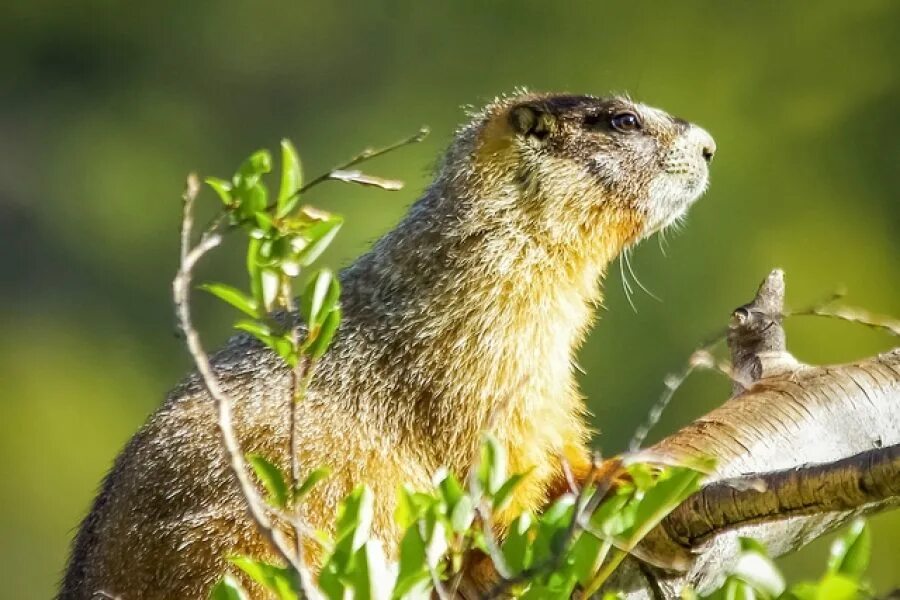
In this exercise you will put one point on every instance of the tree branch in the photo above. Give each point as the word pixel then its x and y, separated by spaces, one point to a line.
pixel 341 173
pixel 866 479
pixel 181 286
pixel 800 449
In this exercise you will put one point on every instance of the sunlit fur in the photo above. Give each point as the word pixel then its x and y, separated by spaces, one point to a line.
pixel 463 318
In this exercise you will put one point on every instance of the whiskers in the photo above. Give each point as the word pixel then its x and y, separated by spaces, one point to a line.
pixel 626 285
pixel 663 242
pixel 626 270
pixel 676 225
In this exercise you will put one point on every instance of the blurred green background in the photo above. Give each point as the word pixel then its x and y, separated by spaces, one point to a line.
pixel 105 106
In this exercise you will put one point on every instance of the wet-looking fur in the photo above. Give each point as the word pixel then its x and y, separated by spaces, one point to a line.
pixel 465 317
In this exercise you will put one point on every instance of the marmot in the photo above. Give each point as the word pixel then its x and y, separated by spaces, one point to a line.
pixel 468 312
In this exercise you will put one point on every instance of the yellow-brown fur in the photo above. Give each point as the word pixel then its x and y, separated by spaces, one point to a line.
pixel 463 318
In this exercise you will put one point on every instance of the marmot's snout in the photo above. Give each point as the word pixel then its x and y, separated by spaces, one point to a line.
pixel 690 156
pixel 707 144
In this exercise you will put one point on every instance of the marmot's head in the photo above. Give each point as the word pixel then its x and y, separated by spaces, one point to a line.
pixel 579 166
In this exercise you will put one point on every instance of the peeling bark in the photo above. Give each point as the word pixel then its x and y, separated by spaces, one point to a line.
pixel 800 449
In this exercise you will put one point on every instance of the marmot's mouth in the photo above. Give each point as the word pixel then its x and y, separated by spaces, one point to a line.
pixel 671 195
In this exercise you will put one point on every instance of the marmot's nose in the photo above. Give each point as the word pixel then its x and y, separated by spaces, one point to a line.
pixel 706 143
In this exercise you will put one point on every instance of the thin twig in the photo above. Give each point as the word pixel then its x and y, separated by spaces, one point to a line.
pixel 367 154
pixel 825 308
pixel 490 541
pixel 464 552
pixel 568 474
pixel 181 294
pixel 300 376
pixel 700 358
pixel 852 315
pixel 296 377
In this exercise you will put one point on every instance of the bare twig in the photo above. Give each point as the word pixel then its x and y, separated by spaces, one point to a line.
pixel 852 315
pixel 300 378
pixel 367 154
pixel 181 294
pixel 568 474
pixel 700 358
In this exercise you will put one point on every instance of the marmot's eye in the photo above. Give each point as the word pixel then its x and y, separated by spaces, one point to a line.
pixel 625 121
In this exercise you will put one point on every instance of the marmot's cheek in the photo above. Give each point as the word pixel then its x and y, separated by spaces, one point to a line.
pixel 610 169
pixel 669 195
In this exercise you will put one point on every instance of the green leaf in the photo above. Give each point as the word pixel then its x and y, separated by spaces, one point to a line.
pixel 222 188
pixel 504 494
pixel 271 282
pixel 253 200
pixel 516 547
pixel 257 164
pixel 557 585
pixel 805 590
pixel 291 178
pixel 330 579
pixel 354 518
pixel 450 488
pixel 374 580
pixel 850 552
pixel 462 514
pixel 671 489
pixel 259 330
pixel 319 345
pixel 835 586
pixel 436 536
pixel 228 588
pixel 491 471
pixel 358 577
pixel 279 580
pixel 750 545
pixel 234 297
pixel 413 575
pixel 411 505
pixel 643 475
pixel 272 478
pixel 254 247
pixel 283 345
pixel 736 589
pixel 614 515
pixel 264 221
pixel 756 569
pixel 310 482
pixel 585 555
pixel 551 526
pixel 319 236
pixel 319 298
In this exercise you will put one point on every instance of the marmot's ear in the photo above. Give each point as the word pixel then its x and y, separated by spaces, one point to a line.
pixel 532 120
